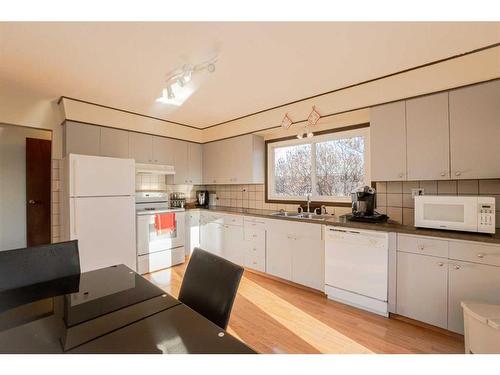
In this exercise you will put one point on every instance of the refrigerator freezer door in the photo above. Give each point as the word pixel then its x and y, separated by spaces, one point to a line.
pixel 105 230
pixel 96 176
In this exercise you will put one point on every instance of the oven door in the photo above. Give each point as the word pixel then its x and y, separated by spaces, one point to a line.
pixel 446 212
pixel 151 238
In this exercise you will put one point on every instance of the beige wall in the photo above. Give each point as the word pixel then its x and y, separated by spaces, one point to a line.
pixel 20 106
pixel 461 71
pixel 84 112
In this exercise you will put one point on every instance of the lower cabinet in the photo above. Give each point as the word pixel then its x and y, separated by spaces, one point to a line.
pixel 279 254
pixel 470 282
pixel 233 244
pixel 288 250
pixel 192 232
pixel 422 288
pixel 295 252
pixel 211 237
pixel 431 288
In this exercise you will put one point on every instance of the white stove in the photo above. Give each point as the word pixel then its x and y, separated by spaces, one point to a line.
pixel 160 232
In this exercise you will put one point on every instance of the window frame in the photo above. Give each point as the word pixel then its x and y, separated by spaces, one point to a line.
pixel 321 136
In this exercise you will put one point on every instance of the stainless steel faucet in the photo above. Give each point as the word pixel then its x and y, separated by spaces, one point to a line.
pixel 308 196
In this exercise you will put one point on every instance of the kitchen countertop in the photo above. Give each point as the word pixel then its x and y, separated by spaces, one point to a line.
pixel 340 221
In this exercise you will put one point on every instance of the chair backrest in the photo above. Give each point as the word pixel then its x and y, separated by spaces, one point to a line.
pixel 32 265
pixel 209 286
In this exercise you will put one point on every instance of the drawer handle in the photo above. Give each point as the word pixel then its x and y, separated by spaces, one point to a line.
pixel 457 267
pixel 480 256
pixel 440 264
pixel 421 247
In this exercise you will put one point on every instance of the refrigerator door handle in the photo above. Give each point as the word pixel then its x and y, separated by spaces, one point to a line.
pixel 75 233
pixel 74 178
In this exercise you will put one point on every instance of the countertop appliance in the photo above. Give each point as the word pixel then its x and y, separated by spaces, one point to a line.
pixel 97 209
pixel 202 198
pixel 356 268
pixel 463 213
pixel 160 232
pixel 363 206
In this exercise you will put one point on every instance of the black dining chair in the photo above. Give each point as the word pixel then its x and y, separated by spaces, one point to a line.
pixel 37 264
pixel 209 286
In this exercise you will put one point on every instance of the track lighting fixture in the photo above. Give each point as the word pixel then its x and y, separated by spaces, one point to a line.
pixel 177 90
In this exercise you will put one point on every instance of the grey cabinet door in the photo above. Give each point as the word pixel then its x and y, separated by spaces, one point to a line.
pixel 388 142
pixel 114 143
pixel 81 139
pixel 163 150
pixel 180 152
pixel 141 147
pixel 475 131
pixel 195 162
pixel 422 287
pixel 428 137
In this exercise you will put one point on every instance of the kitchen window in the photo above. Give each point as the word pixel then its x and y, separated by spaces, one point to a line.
pixel 327 166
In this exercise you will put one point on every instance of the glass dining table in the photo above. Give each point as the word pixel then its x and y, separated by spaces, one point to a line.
pixel 110 310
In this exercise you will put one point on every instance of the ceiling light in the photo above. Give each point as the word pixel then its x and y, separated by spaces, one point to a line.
pixel 170 93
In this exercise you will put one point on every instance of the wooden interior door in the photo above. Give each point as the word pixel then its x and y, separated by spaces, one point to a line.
pixel 38 168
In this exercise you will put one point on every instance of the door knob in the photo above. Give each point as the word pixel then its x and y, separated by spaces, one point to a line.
pixel 32 201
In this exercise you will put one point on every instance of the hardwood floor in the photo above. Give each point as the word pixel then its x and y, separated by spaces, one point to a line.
pixel 275 317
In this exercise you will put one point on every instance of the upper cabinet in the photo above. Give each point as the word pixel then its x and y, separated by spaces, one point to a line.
pixel 475 131
pixel 141 147
pixel 388 142
pixel 81 139
pixel 238 160
pixel 427 137
pixel 195 163
pixel 163 150
pixel 450 135
pixel 114 143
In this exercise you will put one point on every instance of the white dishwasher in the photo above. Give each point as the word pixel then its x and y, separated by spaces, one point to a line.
pixel 356 268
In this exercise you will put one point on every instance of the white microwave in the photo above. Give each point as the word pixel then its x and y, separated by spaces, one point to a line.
pixel 464 213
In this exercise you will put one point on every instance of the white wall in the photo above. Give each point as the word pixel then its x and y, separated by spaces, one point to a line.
pixel 13 183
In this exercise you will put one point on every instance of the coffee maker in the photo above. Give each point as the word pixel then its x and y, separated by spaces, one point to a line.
pixel 363 206
pixel 202 198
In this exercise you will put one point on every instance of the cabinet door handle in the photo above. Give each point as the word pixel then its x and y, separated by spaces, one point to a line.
pixel 443 174
pixel 480 256
pixel 440 264
pixel 457 267
pixel 421 247
pixel 400 175
pixel 457 173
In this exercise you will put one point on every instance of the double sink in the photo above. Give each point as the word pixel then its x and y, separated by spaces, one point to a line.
pixel 303 215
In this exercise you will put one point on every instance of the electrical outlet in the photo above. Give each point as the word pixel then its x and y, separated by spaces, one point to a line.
pixel 417 191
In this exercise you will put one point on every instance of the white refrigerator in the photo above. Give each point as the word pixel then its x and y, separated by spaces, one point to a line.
pixel 98 209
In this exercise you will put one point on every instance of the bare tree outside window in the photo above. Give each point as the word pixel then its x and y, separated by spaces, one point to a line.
pixel 327 167
pixel 292 170
pixel 339 166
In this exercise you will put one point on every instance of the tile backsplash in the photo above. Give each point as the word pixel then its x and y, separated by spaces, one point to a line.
pixel 253 196
pixel 394 197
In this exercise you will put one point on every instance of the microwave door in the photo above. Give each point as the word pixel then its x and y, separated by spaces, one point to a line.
pixel 447 214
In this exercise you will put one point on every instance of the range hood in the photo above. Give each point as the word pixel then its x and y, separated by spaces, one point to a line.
pixel 154 169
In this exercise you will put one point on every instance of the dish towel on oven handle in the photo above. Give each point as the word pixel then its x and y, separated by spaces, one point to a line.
pixel 165 222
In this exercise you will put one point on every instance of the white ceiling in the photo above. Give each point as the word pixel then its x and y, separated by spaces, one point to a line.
pixel 260 65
